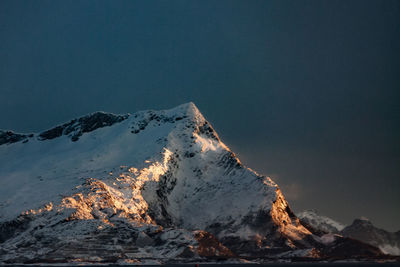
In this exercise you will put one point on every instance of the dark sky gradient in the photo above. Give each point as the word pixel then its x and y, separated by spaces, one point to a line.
pixel 304 91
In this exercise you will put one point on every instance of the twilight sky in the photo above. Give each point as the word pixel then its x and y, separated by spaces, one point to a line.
pixel 304 91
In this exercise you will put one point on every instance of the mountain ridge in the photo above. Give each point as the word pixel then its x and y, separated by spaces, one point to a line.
pixel 157 185
pixel 360 229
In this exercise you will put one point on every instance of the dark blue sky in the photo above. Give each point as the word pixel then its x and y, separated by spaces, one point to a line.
pixel 304 91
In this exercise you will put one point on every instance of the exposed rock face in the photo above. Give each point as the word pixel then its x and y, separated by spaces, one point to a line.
pixel 154 185
pixel 9 137
pixel 75 128
pixel 209 246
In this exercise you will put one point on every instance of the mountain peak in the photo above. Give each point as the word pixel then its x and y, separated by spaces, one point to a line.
pixel 362 221
pixel 314 219
pixel 188 109
pixel 187 106
pixel 153 177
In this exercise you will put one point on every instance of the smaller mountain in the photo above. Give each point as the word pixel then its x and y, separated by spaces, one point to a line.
pixel 320 222
pixel 361 229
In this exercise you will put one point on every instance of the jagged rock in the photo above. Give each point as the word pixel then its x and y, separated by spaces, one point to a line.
pixel 75 128
pixel 9 137
pixel 209 246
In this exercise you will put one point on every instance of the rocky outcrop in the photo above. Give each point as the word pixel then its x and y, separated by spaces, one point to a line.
pixel 9 137
pixel 75 128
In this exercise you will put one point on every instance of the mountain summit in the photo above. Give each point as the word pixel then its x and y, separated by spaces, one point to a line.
pixel 153 185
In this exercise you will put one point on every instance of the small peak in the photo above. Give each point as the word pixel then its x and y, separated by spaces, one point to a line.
pixel 190 106
pixel 312 211
pixel 188 109
pixel 191 109
pixel 309 211
pixel 362 221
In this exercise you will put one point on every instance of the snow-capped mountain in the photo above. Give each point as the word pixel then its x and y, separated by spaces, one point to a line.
pixel 151 186
pixel 320 222
pixel 361 229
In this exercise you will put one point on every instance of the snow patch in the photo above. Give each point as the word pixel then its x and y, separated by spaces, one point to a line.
pixel 391 250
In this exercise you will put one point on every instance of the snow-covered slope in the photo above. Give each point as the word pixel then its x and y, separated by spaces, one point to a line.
pixel 320 222
pixel 151 185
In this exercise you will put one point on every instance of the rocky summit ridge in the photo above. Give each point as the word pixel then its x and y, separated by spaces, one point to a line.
pixel 148 187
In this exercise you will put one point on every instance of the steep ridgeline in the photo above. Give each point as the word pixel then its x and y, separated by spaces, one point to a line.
pixel 154 186
pixel 360 229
